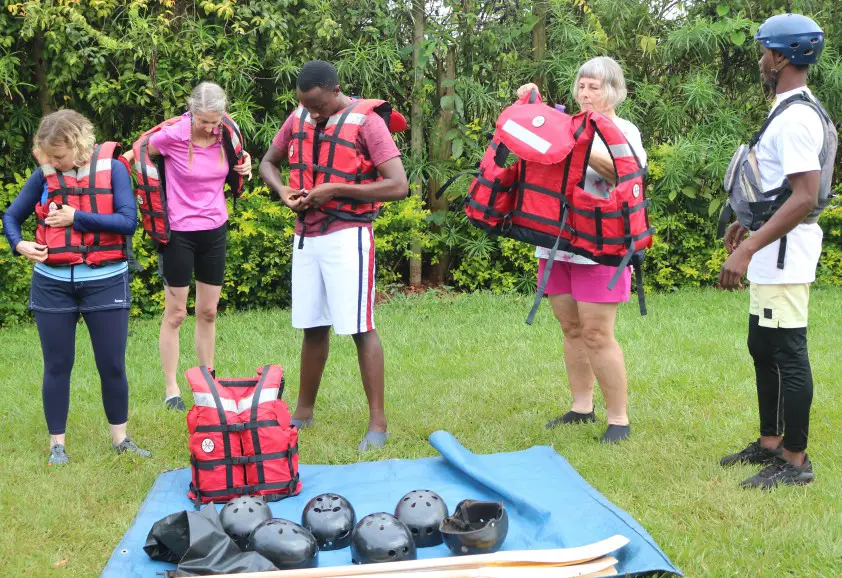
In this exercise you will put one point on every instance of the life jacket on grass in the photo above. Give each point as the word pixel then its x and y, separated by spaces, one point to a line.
pixel 241 440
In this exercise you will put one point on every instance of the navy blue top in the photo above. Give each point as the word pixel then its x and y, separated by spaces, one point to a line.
pixel 123 221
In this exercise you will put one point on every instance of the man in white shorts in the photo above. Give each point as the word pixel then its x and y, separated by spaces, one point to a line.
pixel 343 164
pixel 794 159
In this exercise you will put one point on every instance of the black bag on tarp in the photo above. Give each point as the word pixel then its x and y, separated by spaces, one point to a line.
pixel 196 542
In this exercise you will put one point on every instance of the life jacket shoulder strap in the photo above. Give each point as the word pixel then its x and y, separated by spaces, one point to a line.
pixel 800 98
pixel 617 143
pixel 366 105
pixel 232 141
pixel 143 165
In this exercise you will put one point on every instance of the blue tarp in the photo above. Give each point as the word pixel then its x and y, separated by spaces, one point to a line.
pixel 549 504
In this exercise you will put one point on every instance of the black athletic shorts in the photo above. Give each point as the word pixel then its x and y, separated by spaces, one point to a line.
pixel 202 251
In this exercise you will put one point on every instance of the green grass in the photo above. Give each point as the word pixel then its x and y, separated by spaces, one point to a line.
pixel 470 365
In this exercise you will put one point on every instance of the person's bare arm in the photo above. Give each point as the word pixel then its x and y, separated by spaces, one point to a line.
pixel 804 198
pixel 393 187
pixel 270 174
pixel 601 162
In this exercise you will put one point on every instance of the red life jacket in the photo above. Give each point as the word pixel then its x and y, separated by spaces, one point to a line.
pixel 336 159
pixel 151 190
pixel 539 196
pixel 86 188
pixel 241 441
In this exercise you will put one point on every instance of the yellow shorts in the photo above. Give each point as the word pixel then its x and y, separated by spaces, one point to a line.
pixel 780 306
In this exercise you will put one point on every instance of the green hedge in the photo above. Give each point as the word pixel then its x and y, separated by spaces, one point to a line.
pixel 692 75
pixel 685 254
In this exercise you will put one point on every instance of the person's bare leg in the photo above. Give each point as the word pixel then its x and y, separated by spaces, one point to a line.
pixel 175 311
pixel 606 357
pixel 372 371
pixel 314 353
pixel 207 300
pixel 580 375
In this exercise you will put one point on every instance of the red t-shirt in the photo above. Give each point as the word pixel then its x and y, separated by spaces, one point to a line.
pixel 373 138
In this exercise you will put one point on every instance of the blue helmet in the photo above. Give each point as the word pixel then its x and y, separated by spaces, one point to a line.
pixel 795 36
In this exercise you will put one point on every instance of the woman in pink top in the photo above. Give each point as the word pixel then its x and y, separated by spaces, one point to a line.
pixel 195 169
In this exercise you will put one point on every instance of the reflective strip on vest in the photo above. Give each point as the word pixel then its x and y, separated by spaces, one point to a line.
pixel 307 119
pixel 235 140
pixel 81 172
pixel 620 150
pixel 151 170
pixel 229 405
pixel 352 118
pixel 526 136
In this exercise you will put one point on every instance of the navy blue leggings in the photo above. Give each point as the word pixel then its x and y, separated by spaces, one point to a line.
pixel 109 330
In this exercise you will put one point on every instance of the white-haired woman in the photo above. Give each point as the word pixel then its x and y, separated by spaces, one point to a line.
pixel 196 167
pixel 577 288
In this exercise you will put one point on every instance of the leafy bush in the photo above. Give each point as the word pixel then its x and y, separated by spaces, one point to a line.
pixel 694 93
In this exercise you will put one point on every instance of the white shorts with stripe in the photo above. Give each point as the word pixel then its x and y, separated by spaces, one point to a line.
pixel 333 281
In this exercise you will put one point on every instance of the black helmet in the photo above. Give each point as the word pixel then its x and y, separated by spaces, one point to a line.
pixel 422 511
pixel 285 544
pixel 381 537
pixel 475 527
pixel 242 515
pixel 330 518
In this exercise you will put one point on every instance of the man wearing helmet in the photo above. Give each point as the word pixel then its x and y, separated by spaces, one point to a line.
pixel 793 158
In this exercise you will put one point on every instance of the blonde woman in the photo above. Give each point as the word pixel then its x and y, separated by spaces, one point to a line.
pixel 196 167
pixel 577 287
pixel 83 201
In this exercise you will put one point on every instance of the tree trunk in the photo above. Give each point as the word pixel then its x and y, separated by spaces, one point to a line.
pixel 440 149
pixel 41 72
pixel 465 34
pixel 539 37
pixel 417 119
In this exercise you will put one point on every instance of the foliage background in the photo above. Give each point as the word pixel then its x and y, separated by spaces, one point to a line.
pixel 449 66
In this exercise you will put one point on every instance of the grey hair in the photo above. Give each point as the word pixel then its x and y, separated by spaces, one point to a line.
pixel 607 71
pixel 207 97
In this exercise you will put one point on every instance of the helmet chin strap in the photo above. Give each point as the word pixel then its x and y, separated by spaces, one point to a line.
pixel 771 85
pixel 774 71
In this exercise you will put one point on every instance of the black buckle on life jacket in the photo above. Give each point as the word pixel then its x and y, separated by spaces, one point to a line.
pixel 293 484
pixel 506 223
pixel 303 230
pixel 782 252
pixel 197 501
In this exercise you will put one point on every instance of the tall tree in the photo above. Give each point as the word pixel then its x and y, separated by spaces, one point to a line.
pixel 440 150
pixel 417 145
pixel 539 37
